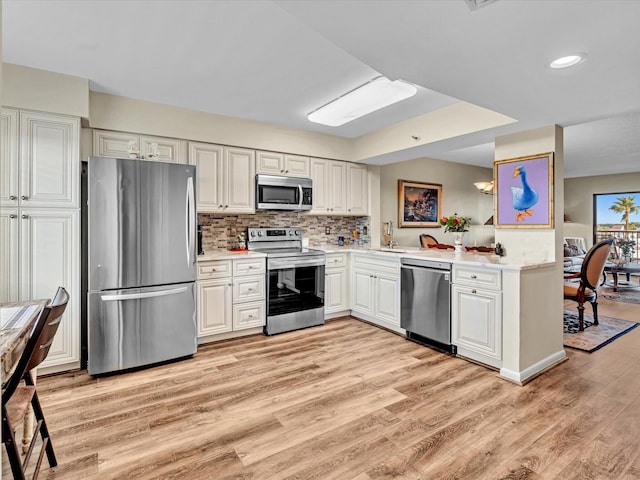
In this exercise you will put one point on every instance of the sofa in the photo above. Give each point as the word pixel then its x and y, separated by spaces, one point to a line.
pixel 574 252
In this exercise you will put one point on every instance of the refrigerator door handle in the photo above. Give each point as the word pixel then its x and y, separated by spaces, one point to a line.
pixel 137 296
pixel 190 221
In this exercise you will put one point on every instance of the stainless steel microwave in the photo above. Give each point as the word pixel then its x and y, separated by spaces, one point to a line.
pixel 283 193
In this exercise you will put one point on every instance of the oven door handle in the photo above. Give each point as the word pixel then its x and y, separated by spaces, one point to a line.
pixel 283 264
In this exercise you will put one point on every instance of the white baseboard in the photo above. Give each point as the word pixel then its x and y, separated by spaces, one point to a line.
pixel 529 373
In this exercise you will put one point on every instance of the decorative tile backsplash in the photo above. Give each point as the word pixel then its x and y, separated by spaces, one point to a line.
pixel 221 231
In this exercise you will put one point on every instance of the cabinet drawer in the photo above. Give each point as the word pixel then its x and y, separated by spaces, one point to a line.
pixel 336 260
pixel 477 277
pixel 376 263
pixel 248 315
pixel 214 269
pixel 248 266
pixel 247 289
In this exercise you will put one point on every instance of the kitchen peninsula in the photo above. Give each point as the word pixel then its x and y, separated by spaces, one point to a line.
pixel 365 283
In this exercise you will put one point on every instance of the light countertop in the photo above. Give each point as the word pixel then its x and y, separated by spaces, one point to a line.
pixel 468 258
pixel 222 254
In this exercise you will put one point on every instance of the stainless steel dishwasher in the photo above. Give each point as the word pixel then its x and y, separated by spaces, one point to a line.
pixel 425 302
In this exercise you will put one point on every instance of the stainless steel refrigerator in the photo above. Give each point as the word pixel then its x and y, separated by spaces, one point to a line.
pixel 141 301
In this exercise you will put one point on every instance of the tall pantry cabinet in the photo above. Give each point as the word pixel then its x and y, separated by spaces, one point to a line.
pixel 40 218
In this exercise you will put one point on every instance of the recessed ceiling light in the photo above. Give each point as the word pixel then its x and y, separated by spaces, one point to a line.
pixel 374 95
pixel 568 61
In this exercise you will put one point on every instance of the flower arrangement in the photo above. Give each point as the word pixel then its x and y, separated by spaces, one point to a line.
pixel 626 246
pixel 454 223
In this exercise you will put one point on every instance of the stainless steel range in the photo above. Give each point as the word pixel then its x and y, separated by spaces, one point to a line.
pixel 295 279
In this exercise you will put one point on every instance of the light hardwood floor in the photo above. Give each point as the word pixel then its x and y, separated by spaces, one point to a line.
pixel 350 401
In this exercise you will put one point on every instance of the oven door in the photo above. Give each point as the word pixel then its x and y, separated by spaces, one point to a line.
pixel 295 293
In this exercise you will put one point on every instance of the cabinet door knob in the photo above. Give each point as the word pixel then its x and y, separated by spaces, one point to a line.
pixel 12 216
pixel 473 291
pixel 226 206
pixel 12 197
pixel 286 171
pixel 219 206
pixel 25 216
pixel 473 277
pixel 24 197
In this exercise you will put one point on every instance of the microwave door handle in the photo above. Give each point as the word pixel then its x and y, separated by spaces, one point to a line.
pixel 300 200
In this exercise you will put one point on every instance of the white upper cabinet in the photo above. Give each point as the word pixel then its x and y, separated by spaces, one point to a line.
pixel 272 163
pixel 143 147
pixel 330 181
pixel 225 178
pixel 9 183
pixel 357 189
pixel 40 160
pixel 339 188
pixel 240 180
pixel 208 160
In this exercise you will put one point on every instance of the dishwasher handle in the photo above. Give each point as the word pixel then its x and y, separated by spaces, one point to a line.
pixel 422 263
pixel 445 273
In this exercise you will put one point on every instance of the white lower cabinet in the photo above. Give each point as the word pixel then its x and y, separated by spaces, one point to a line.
pixel 375 290
pixel 41 251
pixel 214 307
pixel 336 285
pixel 231 296
pixel 476 314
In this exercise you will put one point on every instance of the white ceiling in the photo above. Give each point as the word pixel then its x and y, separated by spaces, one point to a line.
pixel 276 61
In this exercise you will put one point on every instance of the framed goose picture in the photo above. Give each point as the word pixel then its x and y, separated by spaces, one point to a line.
pixel 419 204
pixel 524 192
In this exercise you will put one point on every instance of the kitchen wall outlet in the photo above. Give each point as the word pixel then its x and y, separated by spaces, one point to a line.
pixel 327 230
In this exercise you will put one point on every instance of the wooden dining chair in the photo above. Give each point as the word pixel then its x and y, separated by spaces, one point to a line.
pixel 426 240
pixel 19 391
pixel 589 277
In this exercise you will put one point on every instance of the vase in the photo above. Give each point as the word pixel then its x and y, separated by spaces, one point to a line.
pixel 457 242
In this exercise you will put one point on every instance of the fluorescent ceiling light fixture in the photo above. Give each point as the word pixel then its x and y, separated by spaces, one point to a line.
pixel 475 4
pixel 378 93
pixel 568 61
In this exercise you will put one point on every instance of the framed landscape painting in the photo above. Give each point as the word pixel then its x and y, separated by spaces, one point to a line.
pixel 419 204
pixel 524 192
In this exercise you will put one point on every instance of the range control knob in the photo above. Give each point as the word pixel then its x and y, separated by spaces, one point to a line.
pixel 291 233
pixel 253 234
pixel 259 233
pixel 297 232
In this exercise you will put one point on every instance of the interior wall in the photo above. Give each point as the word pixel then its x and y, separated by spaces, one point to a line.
pixel 111 112
pixel 578 200
pixel 532 329
pixel 34 89
pixel 459 195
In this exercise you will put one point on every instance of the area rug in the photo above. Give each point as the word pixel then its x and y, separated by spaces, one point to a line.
pixel 593 336
pixel 627 294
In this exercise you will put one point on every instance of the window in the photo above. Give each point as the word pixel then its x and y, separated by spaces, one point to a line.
pixel 617 215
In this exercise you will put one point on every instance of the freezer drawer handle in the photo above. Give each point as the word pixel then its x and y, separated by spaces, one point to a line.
pixel 136 296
